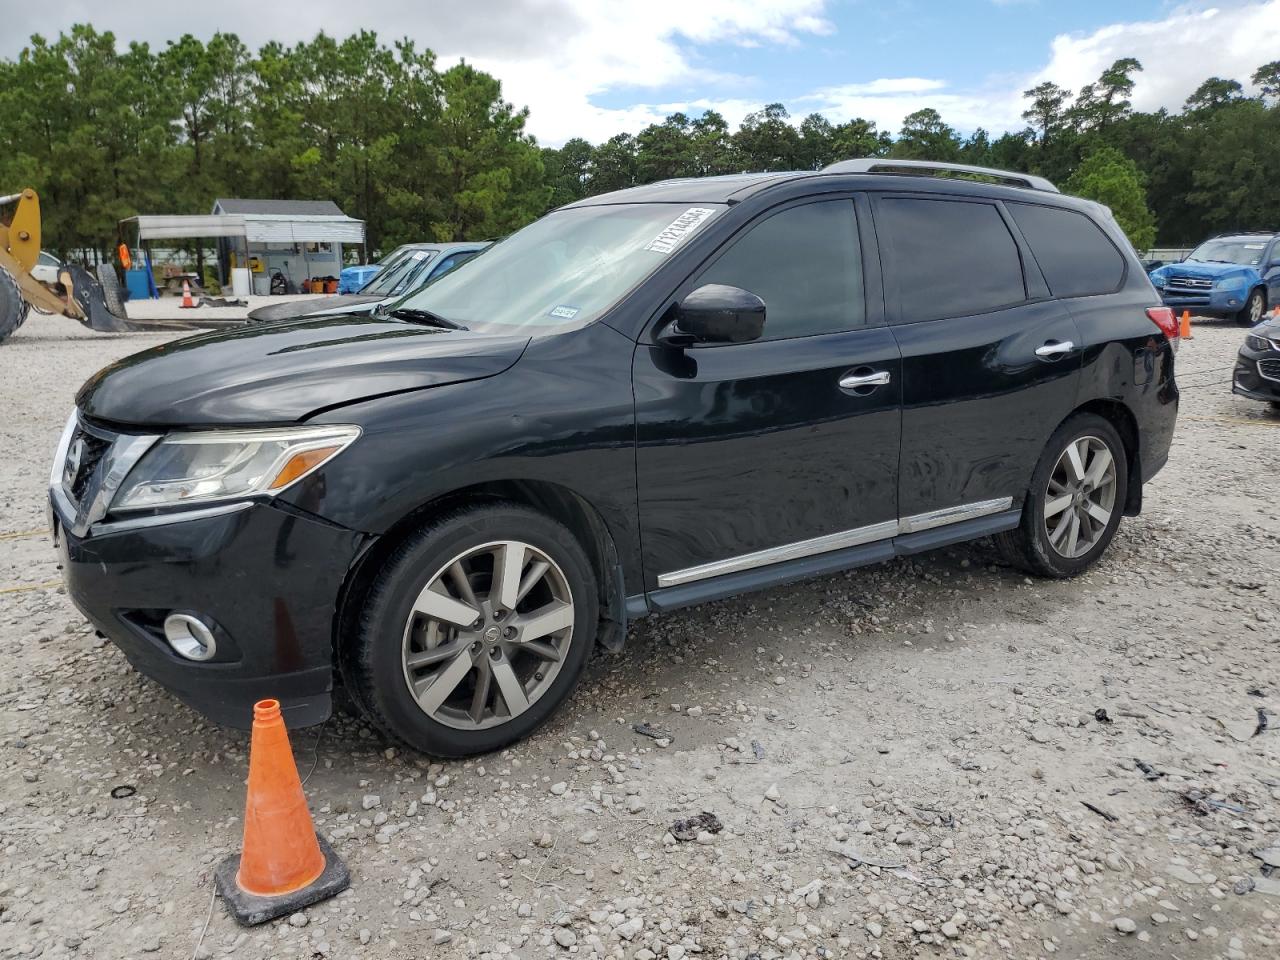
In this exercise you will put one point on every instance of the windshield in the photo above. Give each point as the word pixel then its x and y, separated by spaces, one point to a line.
pixel 395 279
pixel 565 269
pixel 1244 252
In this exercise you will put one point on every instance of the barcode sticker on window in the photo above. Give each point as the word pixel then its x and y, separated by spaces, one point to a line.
pixel 675 232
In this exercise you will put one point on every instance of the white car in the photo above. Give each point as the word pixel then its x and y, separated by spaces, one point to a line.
pixel 46 268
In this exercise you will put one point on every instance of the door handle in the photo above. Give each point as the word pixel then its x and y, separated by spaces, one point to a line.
pixel 1054 348
pixel 852 381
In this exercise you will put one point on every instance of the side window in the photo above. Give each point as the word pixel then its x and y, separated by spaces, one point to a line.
pixel 805 263
pixel 451 263
pixel 47 259
pixel 948 258
pixel 1075 256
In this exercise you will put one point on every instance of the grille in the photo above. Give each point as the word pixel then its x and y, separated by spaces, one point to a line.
pixel 1191 283
pixel 1270 368
pixel 89 450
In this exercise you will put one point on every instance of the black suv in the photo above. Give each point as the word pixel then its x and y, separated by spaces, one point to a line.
pixel 647 399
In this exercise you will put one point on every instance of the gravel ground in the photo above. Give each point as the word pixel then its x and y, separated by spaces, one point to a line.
pixel 911 759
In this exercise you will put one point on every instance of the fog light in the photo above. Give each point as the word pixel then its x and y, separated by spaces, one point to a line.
pixel 189 636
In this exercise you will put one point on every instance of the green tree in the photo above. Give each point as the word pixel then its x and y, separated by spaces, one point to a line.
pixel 767 141
pixel 1112 179
pixel 924 136
pixel 1267 79
pixel 1214 92
pixel 1048 110
pixel 1105 101
pixel 490 170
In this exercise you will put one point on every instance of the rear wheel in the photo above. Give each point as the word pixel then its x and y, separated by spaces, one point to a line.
pixel 474 631
pixel 13 308
pixel 1075 502
pixel 1253 310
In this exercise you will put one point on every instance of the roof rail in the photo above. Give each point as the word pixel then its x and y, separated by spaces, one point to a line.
pixel 926 167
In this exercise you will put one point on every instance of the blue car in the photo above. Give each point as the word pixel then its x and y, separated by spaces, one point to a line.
pixel 1235 276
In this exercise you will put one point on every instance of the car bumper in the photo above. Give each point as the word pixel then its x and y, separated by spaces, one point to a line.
pixel 1213 303
pixel 1257 376
pixel 265 579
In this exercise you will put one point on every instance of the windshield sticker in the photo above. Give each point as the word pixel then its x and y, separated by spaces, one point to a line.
pixel 420 255
pixel 563 312
pixel 679 228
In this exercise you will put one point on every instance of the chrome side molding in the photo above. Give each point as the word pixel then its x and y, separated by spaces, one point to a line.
pixel 836 541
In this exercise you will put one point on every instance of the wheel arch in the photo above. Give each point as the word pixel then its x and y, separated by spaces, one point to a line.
pixel 1121 417
pixel 583 520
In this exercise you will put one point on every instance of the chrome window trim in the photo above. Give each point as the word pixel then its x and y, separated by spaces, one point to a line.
pixel 836 541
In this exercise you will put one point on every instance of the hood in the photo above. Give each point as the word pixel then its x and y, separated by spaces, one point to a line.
pixel 293 309
pixel 282 372
pixel 1203 270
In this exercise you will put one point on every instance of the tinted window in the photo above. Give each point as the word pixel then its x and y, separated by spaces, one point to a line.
pixel 805 264
pixel 948 258
pixel 449 263
pixel 1074 254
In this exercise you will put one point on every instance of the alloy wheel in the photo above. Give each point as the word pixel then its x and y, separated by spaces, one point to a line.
pixel 488 635
pixel 1255 309
pixel 1081 497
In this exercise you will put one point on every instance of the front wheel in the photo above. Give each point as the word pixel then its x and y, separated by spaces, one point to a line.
pixel 474 631
pixel 1075 501
pixel 1254 308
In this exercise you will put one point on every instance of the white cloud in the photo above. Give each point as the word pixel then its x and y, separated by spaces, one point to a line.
pixel 1178 52
pixel 640 47
pixel 590 68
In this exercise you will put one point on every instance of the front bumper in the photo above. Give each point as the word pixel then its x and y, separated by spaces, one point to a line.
pixel 1212 303
pixel 267 579
pixel 1257 375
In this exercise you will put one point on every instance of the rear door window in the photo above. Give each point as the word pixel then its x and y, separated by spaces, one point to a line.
pixel 947 258
pixel 805 263
pixel 1075 256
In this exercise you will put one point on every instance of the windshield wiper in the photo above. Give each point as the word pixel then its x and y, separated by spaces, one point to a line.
pixel 423 316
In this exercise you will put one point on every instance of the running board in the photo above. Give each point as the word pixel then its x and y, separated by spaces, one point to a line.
pixel 762 577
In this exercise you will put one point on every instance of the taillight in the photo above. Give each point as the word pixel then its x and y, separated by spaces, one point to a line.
pixel 1163 318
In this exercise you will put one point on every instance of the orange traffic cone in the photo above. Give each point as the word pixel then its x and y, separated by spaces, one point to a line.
pixel 284 864
pixel 1185 331
pixel 187 302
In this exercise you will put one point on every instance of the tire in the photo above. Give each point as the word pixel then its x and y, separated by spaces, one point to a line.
pixel 1254 308
pixel 111 290
pixel 407 634
pixel 1031 545
pixel 13 308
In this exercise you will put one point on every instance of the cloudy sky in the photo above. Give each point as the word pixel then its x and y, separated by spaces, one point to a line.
pixel 592 68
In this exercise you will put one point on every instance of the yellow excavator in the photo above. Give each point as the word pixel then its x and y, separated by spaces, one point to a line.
pixel 78 294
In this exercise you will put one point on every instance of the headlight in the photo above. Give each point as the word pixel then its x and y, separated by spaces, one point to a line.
pixel 212 465
pixel 1229 283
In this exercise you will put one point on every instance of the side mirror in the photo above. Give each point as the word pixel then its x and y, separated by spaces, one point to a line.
pixel 715 313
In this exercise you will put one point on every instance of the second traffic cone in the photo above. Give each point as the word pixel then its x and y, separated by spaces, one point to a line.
pixel 1185 331
pixel 187 302
pixel 284 864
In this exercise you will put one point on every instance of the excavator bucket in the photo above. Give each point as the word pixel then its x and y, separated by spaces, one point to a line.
pixel 78 294
pixel 93 298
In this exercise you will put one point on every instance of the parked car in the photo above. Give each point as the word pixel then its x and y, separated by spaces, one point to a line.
pixel 1257 373
pixel 1234 276
pixel 646 399
pixel 46 268
pixel 405 270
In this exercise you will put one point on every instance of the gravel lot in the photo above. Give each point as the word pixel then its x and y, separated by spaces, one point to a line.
pixel 907 759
